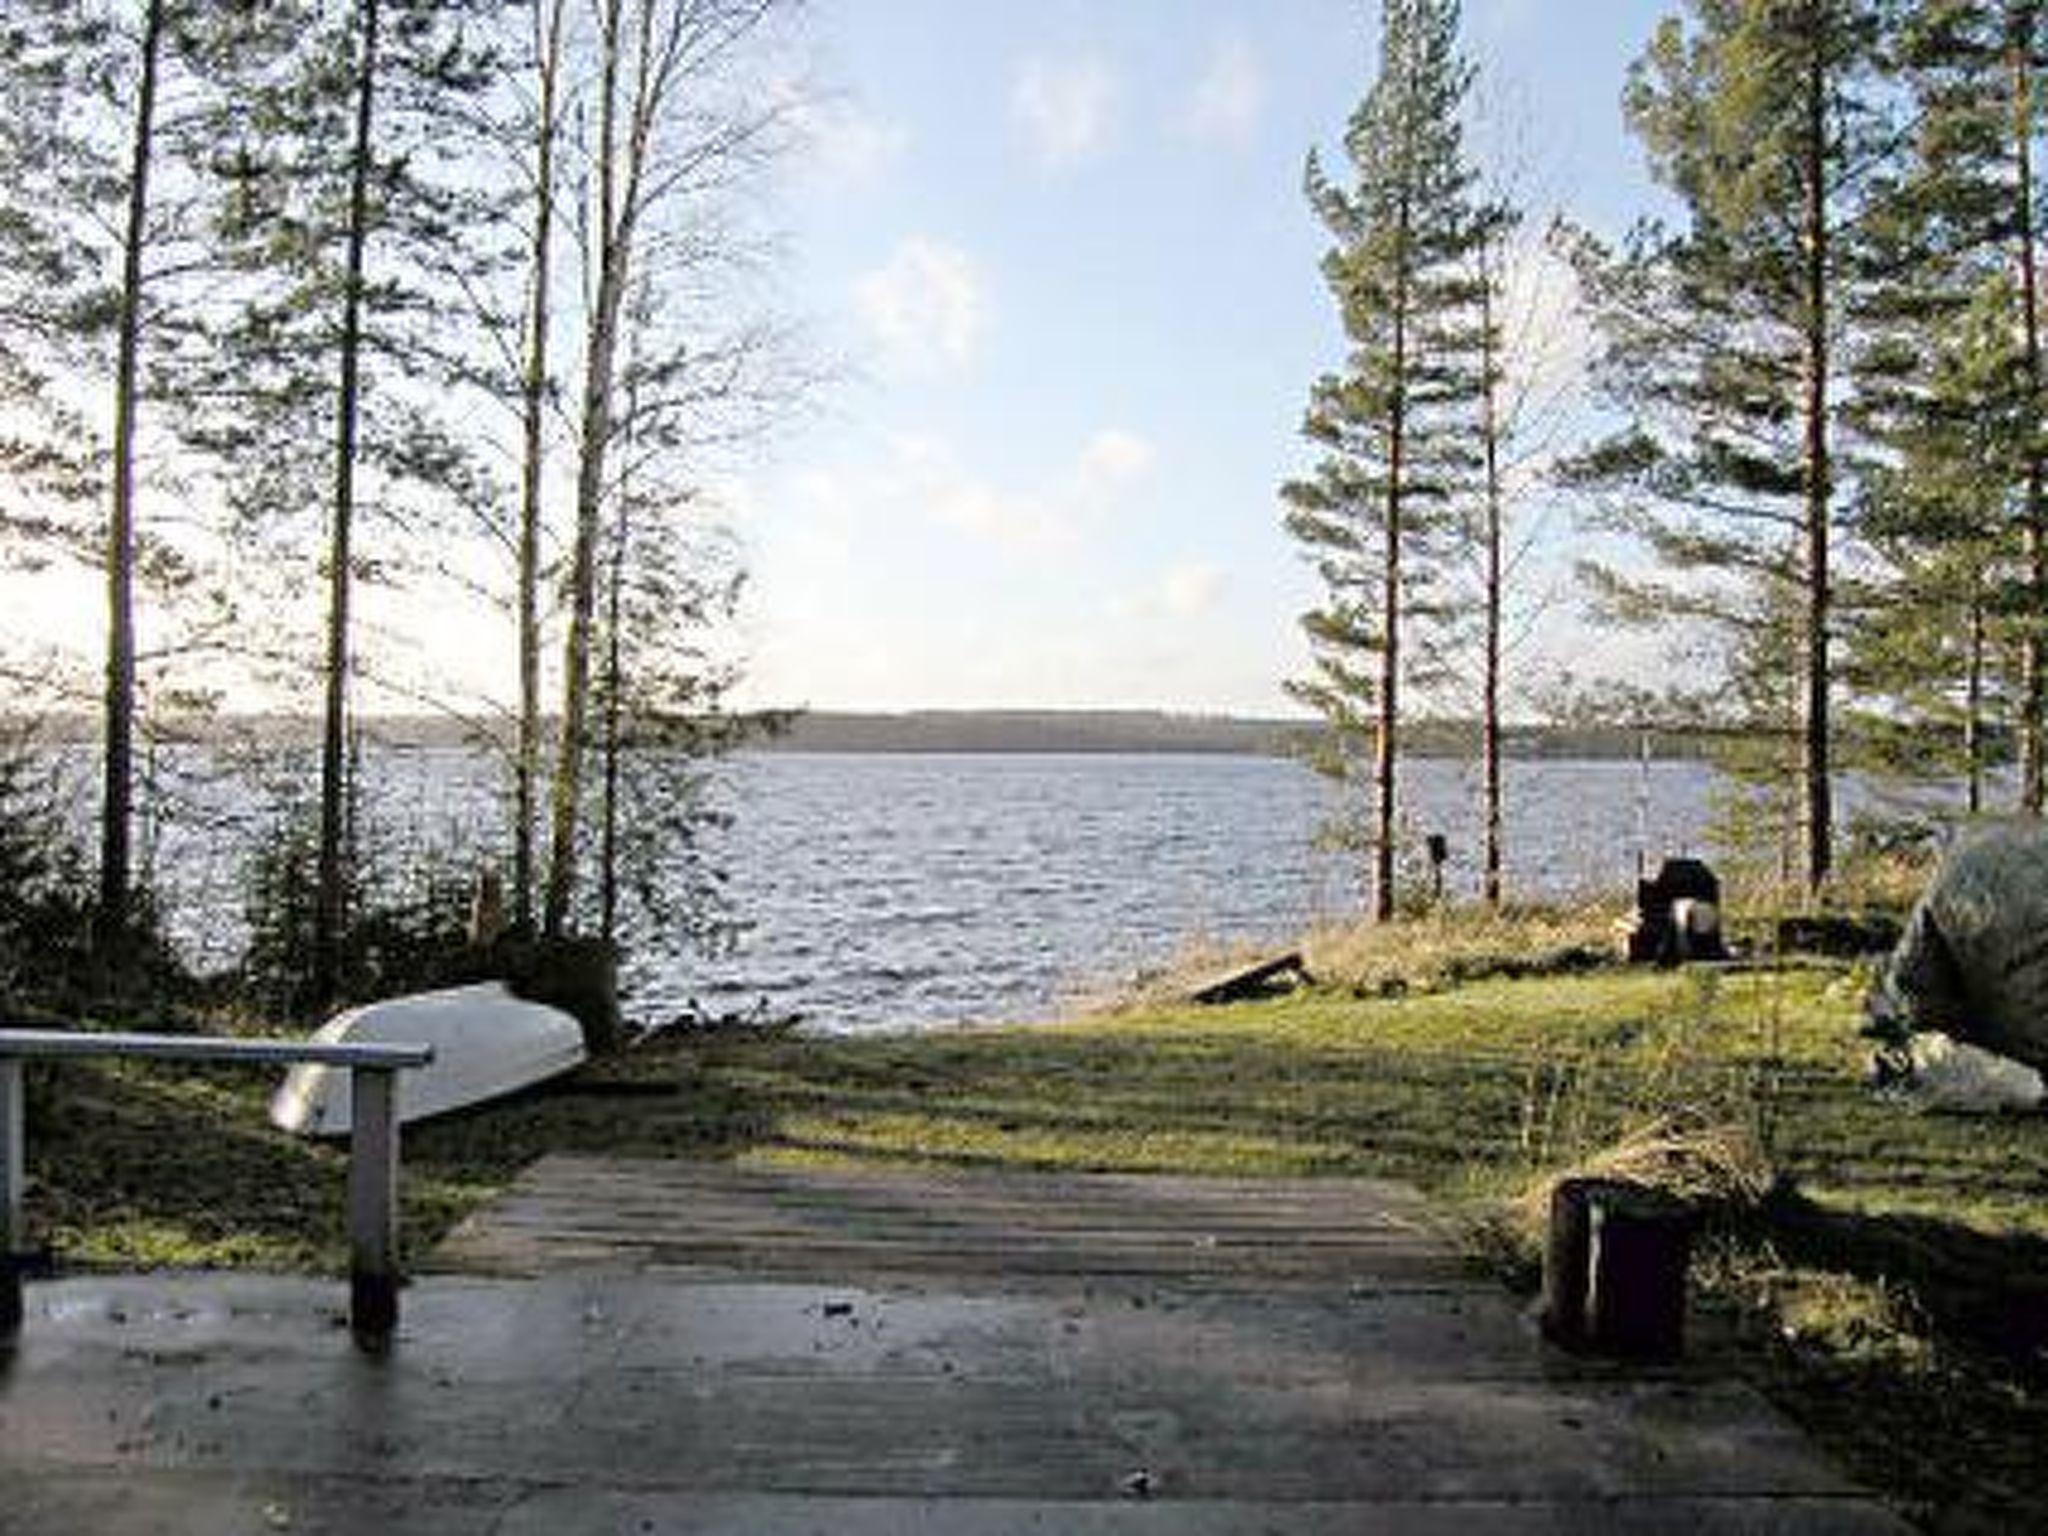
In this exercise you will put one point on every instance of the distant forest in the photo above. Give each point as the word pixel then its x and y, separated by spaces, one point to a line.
pixel 1154 731
pixel 1025 730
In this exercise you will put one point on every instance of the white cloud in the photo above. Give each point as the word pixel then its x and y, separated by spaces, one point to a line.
pixel 1051 518
pixel 928 474
pixel 910 579
pixel 1067 110
pixel 1189 589
pixel 1229 97
pixel 1183 591
pixel 1114 458
pixel 925 306
pixel 847 144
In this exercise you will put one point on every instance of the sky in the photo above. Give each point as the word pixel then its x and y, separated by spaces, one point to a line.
pixel 1056 260
pixel 1060 255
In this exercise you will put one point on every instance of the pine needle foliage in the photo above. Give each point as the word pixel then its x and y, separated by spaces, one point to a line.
pixel 1394 429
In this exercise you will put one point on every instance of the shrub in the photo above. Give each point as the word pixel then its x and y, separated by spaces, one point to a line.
pixel 405 916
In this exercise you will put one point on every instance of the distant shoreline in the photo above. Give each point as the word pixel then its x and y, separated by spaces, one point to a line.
pixel 1142 732
pixel 1016 732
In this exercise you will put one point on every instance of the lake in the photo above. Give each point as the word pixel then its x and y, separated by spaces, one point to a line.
pixel 890 889
pixel 895 889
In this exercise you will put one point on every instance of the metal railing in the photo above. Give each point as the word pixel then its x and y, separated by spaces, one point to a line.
pixel 373 1146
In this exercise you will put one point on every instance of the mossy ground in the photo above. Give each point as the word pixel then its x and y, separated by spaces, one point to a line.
pixel 1895 1299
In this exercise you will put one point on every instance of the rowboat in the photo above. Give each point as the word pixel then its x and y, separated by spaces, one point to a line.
pixel 487 1043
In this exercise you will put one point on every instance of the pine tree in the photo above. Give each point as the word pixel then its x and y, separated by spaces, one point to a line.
pixel 1953 386
pixel 1724 346
pixel 1394 429
pixel 119 105
pixel 118 777
pixel 347 211
pixel 1924 644
pixel 53 310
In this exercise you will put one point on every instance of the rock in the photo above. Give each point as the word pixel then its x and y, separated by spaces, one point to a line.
pixel 1973 962
pixel 1948 1077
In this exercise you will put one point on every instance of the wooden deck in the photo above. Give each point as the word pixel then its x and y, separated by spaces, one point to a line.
pixel 646 1216
pixel 713 1349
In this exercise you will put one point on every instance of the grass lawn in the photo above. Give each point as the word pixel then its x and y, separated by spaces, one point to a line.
pixel 1893 1294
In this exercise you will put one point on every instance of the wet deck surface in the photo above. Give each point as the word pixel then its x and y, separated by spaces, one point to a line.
pixel 684 1348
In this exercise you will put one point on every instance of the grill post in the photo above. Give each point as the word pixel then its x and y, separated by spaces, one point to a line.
pixel 373 1203
pixel 13 1184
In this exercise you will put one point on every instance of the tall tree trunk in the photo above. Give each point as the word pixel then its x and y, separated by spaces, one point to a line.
pixel 117 803
pixel 1973 707
pixel 1490 731
pixel 1819 794
pixel 2034 634
pixel 1386 753
pixel 614 676
pixel 614 232
pixel 614 649
pixel 533 393
pixel 330 913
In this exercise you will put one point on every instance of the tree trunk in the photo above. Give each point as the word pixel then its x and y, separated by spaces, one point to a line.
pixel 2034 632
pixel 614 656
pixel 1819 820
pixel 533 392
pixel 329 909
pixel 1973 708
pixel 2033 683
pixel 1490 732
pixel 117 804
pixel 613 235
pixel 1387 745
pixel 614 671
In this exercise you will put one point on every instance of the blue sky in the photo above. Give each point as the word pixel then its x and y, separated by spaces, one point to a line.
pixel 1062 250
pixel 1059 255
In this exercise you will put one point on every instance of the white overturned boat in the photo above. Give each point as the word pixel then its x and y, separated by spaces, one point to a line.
pixel 486 1043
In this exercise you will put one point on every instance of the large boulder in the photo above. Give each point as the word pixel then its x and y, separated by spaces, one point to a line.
pixel 1973 962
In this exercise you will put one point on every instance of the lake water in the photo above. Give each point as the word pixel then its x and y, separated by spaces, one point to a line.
pixel 883 890
pixel 903 889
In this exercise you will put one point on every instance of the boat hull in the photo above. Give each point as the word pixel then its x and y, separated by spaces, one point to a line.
pixel 487 1043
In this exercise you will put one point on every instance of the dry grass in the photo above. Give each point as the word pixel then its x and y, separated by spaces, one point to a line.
pixel 1714 1165
pixel 1451 946
pixel 1418 954
pixel 1460 945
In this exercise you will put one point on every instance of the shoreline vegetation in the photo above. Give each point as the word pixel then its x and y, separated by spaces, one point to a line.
pixel 1023 731
pixel 1881 1275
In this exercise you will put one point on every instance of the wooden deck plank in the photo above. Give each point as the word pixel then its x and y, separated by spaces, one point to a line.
pixel 645 1215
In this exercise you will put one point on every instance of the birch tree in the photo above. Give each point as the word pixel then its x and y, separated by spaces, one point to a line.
pixel 668 132
pixel 550 20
